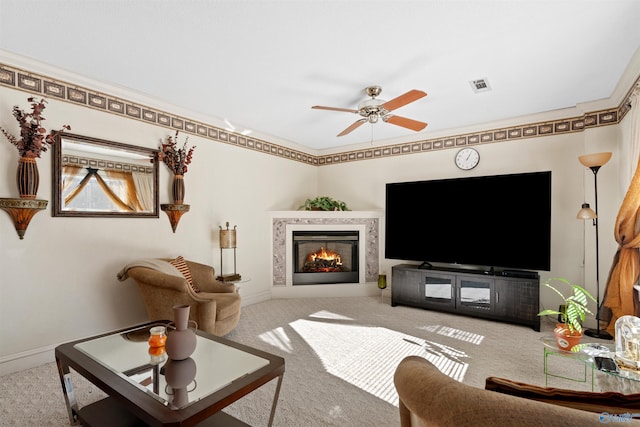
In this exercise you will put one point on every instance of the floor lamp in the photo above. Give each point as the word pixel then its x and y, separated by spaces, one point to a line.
pixel 595 162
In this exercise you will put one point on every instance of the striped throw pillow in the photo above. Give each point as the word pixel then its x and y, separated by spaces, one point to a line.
pixel 182 266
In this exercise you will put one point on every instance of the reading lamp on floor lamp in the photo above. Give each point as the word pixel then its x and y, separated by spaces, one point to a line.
pixel 594 162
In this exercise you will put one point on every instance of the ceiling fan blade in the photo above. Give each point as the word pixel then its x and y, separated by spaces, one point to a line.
pixel 320 107
pixel 351 128
pixel 406 123
pixel 412 95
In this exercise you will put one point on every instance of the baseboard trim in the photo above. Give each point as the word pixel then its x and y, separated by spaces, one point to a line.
pixel 326 290
pixel 27 359
pixel 255 298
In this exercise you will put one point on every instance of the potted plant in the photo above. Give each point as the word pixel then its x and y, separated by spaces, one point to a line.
pixel 33 141
pixel 324 203
pixel 572 313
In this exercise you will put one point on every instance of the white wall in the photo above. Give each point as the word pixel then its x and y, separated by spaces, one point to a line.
pixel 59 283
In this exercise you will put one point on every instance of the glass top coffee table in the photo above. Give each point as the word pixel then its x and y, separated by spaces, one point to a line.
pixel 145 388
pixel 585 355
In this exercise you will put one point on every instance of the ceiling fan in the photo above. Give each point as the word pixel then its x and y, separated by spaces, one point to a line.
pixel 374 109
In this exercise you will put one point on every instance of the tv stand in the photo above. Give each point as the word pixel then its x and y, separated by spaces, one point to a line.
pixel 511 296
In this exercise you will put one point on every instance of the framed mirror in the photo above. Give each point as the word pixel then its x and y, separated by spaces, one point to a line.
pixel 98 178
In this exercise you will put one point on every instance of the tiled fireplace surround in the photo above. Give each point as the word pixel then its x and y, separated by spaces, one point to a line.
pixel 284 223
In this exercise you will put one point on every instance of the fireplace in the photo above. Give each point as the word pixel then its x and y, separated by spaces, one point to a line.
pixel 285 223
pixel 325 257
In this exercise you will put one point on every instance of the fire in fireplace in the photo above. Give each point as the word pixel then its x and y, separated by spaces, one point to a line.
pixel 323 261
pixel 323 257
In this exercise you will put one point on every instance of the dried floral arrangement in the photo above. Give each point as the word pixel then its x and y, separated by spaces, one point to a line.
pixel 34 139
pixel 177 159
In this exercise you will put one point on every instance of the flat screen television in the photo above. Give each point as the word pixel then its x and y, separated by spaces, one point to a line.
pixel 499 221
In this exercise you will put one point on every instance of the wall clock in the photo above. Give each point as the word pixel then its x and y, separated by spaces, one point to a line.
pixel 467 158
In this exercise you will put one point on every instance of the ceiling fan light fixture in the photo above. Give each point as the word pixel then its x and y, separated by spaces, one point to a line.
pixel 373 103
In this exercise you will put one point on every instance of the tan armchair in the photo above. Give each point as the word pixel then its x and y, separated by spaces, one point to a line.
pixel 215 306
pixel 430 398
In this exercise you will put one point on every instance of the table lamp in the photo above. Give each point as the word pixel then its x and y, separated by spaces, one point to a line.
pixel 228 241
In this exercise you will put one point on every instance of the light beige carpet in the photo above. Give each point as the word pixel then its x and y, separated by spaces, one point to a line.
pixel 340 355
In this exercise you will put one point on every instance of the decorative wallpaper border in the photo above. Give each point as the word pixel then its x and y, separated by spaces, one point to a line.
pixel 68 159
pixel 68 92
pixel 550 128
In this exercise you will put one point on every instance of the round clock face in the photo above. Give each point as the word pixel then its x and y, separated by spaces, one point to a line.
pixel 467 158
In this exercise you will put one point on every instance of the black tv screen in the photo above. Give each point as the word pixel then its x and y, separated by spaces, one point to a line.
pixel 500 221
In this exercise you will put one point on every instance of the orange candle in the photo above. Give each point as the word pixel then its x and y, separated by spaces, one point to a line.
pixel 158 337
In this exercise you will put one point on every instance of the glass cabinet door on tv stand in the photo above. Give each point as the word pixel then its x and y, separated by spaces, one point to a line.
pixel 439 290
pixel 475 294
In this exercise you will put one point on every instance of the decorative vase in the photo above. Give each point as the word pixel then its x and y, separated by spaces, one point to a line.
pixel 178 189
pixel 382 281
pixel 382 285
pixel 565 339
pixel 181 342
pixel 27 178
pixel 179 374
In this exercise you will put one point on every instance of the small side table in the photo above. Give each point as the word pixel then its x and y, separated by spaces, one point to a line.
pixel 243 279
pixel 584 356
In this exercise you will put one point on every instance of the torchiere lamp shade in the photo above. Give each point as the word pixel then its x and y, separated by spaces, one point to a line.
pixel 595 160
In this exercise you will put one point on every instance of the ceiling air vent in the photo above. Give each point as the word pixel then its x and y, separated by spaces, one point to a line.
pixel 480 85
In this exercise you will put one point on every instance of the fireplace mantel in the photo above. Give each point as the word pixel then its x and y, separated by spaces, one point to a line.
pixel 284 222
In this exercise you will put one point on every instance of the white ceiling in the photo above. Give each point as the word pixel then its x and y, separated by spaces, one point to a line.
pixel 262 64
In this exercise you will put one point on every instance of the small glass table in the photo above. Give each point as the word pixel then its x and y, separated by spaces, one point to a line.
pixel 585 356
pixel 146 387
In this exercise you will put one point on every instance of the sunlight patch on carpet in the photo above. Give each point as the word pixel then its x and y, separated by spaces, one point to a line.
pixel 324 314
pixel 433 347
pixel 366 356
pixel 451 368
pixel 277 338
pixel 458 334
pixel 461 335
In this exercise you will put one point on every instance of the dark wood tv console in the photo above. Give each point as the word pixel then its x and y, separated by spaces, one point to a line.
pixel 508 296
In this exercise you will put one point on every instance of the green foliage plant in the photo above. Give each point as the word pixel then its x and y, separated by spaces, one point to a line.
pixel 324 203
pixel 574 310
